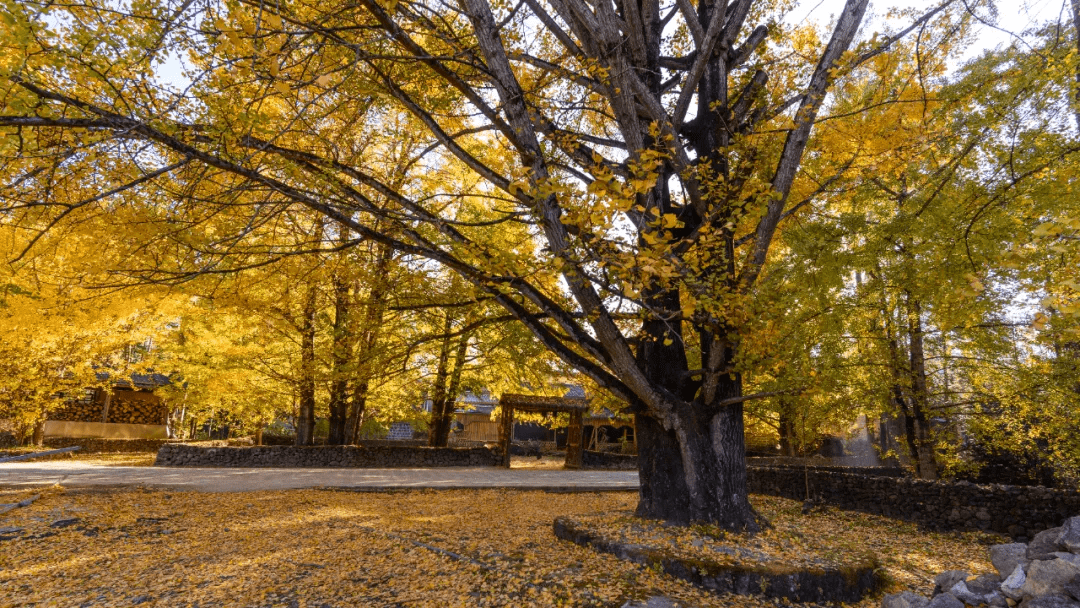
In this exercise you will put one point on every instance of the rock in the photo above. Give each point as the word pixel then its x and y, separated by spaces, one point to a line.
pixel 982 590
pixel 1072 558
pixel 1050 601
pixel 948 579
pixel 1048 577
pixel 904 599
pixel 1073 589
pixel 64 523
pixel 1011 586
pixel 656 601
pixel 1006 557
pixel 1070 534
pixel 1044 545
pixel 984 584
pixel 945 600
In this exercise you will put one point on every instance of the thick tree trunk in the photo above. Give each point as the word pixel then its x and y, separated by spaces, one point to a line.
pixel 927 463
pixel 694 470
pixel 357 410
pixel 368 333
pixel 38 436
pixel 1076 75
pixel 438 389
pixel 697 474
pixel 305 419
pixel 340 359
pixel 787 427
pixel 443 421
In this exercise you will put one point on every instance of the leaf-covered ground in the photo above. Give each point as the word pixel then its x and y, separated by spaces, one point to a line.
pixel 416 548
pixel 121 459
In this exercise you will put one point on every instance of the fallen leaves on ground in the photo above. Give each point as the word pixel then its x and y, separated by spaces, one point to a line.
pixel 416 548
pixel 120 459
pixel 821 538
pixel 547 462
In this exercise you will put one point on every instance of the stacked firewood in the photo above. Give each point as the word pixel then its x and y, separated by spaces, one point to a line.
pixel 137 411
pixel 78 411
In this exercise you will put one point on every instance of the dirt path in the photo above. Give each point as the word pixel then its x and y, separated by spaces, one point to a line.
pixel 88 474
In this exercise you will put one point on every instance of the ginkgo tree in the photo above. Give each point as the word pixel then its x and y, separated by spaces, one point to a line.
pixel 651 150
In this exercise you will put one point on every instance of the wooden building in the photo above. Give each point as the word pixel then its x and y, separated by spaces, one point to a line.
pixel 129 409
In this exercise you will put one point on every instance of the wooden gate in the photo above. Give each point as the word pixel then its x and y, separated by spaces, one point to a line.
pixel 542 405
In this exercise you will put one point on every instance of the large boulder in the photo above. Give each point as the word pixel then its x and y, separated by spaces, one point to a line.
pixel 904 599
pixel 1049 577
pixel 1045 544
pixel 1006 557
pixel 1069 538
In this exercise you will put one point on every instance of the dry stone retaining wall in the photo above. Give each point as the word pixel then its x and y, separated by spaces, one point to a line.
pixel 591 459
pixel 177 455
pixel 1019 511
pixel 91 445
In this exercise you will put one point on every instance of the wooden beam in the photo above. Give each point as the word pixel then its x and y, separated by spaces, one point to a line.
pixel 40 454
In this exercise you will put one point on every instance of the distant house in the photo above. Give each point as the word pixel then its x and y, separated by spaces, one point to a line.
pixel 130 409
pixel 475 423
pixel 473 413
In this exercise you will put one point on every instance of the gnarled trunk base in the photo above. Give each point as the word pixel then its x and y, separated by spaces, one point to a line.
pixel 699 477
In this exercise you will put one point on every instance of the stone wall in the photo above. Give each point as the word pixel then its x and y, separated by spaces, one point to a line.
pixel 1018 511
pixel 871 471
pixel 92 445
pixel 179 455
pixel 608 460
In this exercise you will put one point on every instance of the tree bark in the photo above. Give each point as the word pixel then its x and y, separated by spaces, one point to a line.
pixel 305 419
pixel 38 436
pixel 438 387
pixel 1076 75
pixel 787 427
pixel 443 421
pixel 368 333
pixel 927 463
pixel 357 411
pixel 693 469
pixel 340 360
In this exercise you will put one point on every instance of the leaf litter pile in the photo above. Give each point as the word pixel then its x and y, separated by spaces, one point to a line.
pixel 326 548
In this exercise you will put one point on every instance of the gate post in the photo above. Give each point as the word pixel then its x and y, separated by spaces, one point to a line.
pixel 574 440
pixel 506 433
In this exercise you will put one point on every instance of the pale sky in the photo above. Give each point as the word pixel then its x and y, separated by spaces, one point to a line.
pixel 1014 16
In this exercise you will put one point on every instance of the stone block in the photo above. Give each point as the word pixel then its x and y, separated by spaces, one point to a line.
pixel 1073 589
pixel 904 599
pixel 1006 557
pixel 1044 545
pixel 1012 586
pixel 1050 601
pixel 1048 577
pixel 948 579
pixel 1069 538
pixel 945 600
